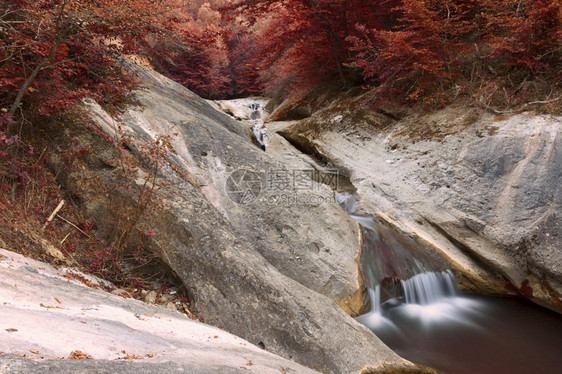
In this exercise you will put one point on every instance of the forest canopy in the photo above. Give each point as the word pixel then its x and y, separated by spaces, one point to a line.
pixel 54 52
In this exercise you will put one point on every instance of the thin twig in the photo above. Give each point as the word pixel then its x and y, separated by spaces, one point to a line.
pixel 59 207
pixel 73 259
pixel 496 111
pixel 66 237
pixel 541 102
pixel 73 225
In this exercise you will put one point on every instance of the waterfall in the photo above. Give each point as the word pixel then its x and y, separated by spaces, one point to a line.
pixel 417 311
pixel 255 108
pixel 375 296
pixel 347 201
pixel 395 264
pixel 428 288
pixel 374 318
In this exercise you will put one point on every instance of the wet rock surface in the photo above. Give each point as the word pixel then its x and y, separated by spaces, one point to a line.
pixel 271 272
pixel 484 189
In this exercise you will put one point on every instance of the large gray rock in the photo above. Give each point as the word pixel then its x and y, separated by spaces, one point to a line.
pixel 302 232
pixel 49 313
pixel 270 273
pixel 483 189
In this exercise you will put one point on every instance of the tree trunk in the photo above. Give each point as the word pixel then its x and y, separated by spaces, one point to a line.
pixel 334 42
pixel 32 77
pixel 23 89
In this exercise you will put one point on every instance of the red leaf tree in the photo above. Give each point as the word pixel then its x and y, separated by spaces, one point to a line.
pixel 524 33
pixel 420 53
pixel 200 61
pixel 301 42
pixel 56 51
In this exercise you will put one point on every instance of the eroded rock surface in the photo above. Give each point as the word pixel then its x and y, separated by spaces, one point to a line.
pixel 49 313
pixel 268 271
pixel 484 189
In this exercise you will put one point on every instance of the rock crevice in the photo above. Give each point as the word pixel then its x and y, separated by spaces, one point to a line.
pixel 488 189
pixel 250 266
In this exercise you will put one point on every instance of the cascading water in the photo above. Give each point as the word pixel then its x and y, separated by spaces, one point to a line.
pixel 397 264
pixel 255 108
pixel 428 288
pixel 347 201
pixel 417 311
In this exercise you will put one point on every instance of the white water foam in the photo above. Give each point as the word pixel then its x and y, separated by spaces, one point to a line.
pixel 374 318
pixel 428 288
pixel 347 201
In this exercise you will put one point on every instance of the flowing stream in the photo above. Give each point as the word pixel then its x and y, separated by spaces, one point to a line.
pixel 417 311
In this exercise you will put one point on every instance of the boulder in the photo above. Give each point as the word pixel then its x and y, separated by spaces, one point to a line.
pixel 275 265
pixel 481 188
pixel 49 315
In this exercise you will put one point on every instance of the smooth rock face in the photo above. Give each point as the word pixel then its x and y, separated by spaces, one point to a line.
pixel 484 189
pixel 248 108
pixel 269 272
pixel 46 315
pixel 299 230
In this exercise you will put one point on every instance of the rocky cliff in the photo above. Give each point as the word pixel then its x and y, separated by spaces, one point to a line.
pixel 270 259
pixel 483 189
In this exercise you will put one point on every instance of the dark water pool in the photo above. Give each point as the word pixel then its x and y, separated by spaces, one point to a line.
pixel 473 335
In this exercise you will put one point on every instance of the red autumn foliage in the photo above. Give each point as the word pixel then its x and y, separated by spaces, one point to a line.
pixel 299 43
pixel 524 33
pixel 200 65
pixel 243 71
pixel 200 59
pixel 410 50
pixel 418 54
pixel 54 52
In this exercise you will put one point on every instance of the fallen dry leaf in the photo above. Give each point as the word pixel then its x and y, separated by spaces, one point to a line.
pixel 34 352
pixel 57 300
pixel 130 356
pixel 50 306
pixel 11 329
pixel 75 276
pixel 124 294
pixel 79 355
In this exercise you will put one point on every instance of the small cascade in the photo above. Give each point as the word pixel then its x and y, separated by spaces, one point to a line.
pixel 395 261
pixel 375 296
pixel 347 201
pixel 417 310
pixel 255 108
pixel 375 318
pixel 396 265
pixel 428 288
